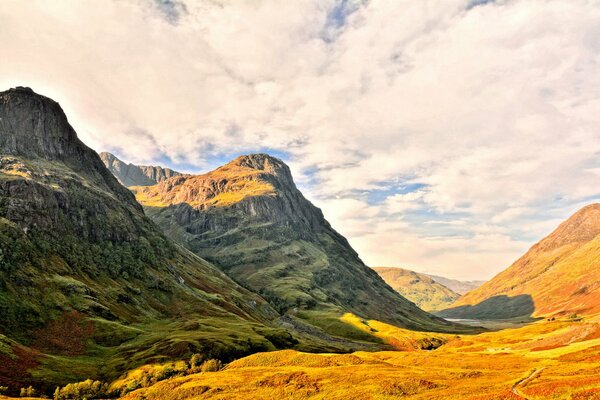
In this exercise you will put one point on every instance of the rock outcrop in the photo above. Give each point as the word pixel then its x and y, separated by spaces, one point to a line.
pixel 136 175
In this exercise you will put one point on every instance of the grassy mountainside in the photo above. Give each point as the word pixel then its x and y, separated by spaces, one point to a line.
pixel 249 219
pixel 89 286
pixel 559 275
pixel 418 288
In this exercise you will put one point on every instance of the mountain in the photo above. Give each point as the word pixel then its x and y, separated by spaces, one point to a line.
pixel 422 290
pixel 248 218
pixel 557 276
pixel 460 287
pixel 136 175
pixel 89 286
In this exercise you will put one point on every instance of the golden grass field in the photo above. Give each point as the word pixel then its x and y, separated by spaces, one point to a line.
pixel 544 360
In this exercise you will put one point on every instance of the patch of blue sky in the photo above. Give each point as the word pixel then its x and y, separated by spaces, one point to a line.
pixel 212 160
pixel 391 188
pixel 337 17
pixel 475 3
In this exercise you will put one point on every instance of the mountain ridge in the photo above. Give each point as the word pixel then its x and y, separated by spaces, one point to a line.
pixel 249 219
pixel 136 175
pixel 556 276
pixel 78 255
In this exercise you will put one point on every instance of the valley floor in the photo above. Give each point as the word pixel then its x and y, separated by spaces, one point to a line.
pixel 543 360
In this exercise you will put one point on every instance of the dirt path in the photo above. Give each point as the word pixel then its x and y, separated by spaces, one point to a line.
pixel 524 381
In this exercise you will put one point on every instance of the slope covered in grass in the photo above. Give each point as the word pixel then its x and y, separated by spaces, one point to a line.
pixel 249 219
pixel 559 275
pixel 89 286
pixel 422 290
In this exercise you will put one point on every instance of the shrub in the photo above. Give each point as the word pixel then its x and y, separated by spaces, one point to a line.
pixel 196 360
pixel 28 392
pixel 211 365
pixel 88 389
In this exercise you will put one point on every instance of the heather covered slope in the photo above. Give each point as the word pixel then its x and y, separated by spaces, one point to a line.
pixel 249 219
pixel 559 275
pixel 89 286
pixel 418 288
pixel 136 175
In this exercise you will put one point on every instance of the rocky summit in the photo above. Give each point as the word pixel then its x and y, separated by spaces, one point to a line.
pixel 89 286
pixel 248 218
pixel 136 175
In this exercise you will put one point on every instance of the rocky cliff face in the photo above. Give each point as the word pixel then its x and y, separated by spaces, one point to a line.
pixel 136 175
pixel 78 255
pixel 249 219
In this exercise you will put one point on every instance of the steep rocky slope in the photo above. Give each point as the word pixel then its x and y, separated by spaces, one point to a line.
pixel 559 275
pixel 460 287
pixel 249 219
pixel 89 286
pixel 418 288
pixel 136 175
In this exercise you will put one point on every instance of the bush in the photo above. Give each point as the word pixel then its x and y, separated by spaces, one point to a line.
pixel 196 360
pixel 211 365
pixel 88 389
pixel 28 392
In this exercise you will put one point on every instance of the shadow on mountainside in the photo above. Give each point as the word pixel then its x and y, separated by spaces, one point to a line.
pixel 494 308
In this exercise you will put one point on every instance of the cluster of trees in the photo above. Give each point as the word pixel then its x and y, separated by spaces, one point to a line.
pixel 91 389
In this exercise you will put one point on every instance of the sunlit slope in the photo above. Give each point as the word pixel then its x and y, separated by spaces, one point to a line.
pixel 422 290
pixel 559 275
pixel 248 218
pixel 89 286
pixel 546 360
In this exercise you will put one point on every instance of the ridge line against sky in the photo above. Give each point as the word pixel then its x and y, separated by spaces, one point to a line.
pixel 441 136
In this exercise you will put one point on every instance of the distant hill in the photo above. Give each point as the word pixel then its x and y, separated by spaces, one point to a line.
pixel 248 218
pixel 460 287
pixel 422 290
pixel 136 175
pixel 560 275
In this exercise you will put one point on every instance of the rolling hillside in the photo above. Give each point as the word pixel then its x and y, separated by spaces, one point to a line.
pixel 560 275
pixel 422 290
pixel 249 219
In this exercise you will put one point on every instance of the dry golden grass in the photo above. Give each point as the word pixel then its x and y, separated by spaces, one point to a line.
pixel 487 366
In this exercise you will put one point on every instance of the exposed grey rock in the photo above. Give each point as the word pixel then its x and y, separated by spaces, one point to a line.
pixel 136 175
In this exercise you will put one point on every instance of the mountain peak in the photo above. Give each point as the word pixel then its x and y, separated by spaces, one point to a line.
pixel 262 163
pixel 582 226
pixel 34 125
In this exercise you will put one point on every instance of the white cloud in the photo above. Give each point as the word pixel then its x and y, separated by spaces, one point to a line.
pixel 493 110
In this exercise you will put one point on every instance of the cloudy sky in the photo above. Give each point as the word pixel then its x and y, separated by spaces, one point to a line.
pixel 445 136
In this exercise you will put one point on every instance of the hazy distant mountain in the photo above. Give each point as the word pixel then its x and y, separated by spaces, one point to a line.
pixel 136 175
pixel 460 287
pixel 249 218
pixel 87 281
pixel 559 275
pixel 422 290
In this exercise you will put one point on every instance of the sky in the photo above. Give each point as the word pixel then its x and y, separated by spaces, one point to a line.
pixel 443 136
